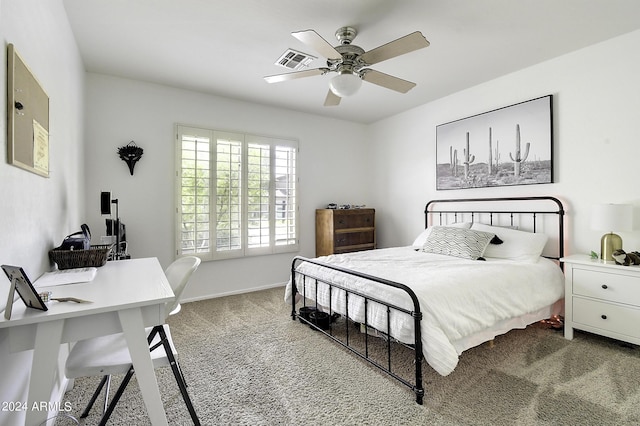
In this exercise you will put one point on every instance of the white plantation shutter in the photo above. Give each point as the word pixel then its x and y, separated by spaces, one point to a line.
pixel 259 195
pixel 285 192
pixel 228 192
pixel 237 194
pixel 194 197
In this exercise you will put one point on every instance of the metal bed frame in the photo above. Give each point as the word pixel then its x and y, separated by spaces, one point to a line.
pixel 434 210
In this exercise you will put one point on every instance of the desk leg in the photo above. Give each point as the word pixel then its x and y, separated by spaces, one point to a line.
pixel 44 365
pixel 134 332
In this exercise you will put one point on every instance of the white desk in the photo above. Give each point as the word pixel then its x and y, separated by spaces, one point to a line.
pixel 127 296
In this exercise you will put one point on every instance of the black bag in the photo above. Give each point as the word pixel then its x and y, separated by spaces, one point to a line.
pixel 80 240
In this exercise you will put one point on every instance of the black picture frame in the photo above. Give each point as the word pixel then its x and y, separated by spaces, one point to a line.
pixel 20 282
pixel 508 146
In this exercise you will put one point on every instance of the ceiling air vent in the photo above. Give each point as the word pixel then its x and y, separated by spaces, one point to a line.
pixel 294 60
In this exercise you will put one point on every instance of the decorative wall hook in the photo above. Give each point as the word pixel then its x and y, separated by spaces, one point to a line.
pixel 131 154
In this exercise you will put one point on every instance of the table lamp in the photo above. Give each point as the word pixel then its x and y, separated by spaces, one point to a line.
pixel 611 217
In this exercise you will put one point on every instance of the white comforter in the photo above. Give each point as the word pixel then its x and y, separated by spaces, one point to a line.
pixel 458 297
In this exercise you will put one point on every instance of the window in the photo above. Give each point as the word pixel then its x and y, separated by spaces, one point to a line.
pixel 236 194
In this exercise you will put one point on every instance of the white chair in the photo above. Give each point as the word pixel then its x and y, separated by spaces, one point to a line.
pixel 108 355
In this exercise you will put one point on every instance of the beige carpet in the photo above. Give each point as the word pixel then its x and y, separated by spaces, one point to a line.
pixel 247 363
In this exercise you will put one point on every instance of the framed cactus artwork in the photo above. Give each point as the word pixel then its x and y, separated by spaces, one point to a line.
pixel 507 146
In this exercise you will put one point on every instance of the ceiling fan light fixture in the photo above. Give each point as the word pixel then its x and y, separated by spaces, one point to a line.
pixel 345 84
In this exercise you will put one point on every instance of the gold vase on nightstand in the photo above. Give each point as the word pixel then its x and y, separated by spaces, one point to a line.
pixel 608 244
pixel 611 217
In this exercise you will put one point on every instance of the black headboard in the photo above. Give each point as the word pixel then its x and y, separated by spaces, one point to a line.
pixel 534 214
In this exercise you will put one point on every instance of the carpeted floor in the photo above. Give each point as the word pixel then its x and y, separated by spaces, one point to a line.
pixel 247 363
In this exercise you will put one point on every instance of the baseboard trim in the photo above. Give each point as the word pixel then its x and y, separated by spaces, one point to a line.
pixel 233 293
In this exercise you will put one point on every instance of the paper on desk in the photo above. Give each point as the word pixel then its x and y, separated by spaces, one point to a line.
pixel 66 276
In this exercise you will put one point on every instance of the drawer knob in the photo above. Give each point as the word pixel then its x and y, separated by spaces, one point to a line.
pixel 603 316
pixel 605 286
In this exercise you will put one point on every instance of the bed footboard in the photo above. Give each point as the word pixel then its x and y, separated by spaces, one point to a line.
pixel 297 282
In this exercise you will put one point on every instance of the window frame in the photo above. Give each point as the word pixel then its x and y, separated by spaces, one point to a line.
pixel 246 140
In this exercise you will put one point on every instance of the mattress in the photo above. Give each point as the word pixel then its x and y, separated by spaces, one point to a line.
pixel 463 302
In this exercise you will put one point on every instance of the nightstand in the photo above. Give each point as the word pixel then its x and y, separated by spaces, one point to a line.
pixel 602 298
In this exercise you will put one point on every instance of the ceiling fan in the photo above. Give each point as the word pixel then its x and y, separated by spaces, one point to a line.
pixel 351 62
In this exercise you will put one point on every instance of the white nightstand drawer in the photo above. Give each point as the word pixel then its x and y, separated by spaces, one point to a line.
pixel 606 316
pixel 607 286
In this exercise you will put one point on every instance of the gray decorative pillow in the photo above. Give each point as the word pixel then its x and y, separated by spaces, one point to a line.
pixel 465 243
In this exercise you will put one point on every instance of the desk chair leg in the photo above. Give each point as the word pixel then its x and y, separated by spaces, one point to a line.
pixel 109 410
pixel 181 374
pixel 177 373
pixel 106 380
pixel 106 394
pixel 125 381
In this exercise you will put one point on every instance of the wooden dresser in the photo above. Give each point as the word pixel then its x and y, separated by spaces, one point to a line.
pixel 344 231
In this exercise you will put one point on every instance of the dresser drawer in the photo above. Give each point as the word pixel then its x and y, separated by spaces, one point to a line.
pixel 606 316
pixel 354 238
pixel 350 219
pixel 607 286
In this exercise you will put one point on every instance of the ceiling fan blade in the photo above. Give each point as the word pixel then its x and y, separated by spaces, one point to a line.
pixel 294 75
pixel 320 45
pixel 332 99
pixel 406 44
pixel 387 81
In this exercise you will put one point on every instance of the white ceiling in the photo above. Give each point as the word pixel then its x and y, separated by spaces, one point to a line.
pixel 226 47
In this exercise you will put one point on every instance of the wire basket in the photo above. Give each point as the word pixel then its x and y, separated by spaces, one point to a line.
pixel 95 256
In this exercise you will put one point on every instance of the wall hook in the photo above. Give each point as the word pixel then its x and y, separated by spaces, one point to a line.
pixel 131 154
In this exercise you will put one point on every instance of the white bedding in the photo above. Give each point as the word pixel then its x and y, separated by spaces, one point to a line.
pixel 459 298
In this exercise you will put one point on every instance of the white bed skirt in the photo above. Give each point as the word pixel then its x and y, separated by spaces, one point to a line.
pixel 505 326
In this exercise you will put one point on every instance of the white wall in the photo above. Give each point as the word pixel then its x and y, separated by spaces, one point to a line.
pixel 596 142
pixel 38 212
pixel 333 163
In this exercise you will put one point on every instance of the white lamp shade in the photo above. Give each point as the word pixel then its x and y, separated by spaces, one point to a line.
pixel 612 217
pixel 345 84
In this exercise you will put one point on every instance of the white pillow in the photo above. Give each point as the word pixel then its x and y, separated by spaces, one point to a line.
pixel 422 237
pixel 458 242
pixel 516 245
